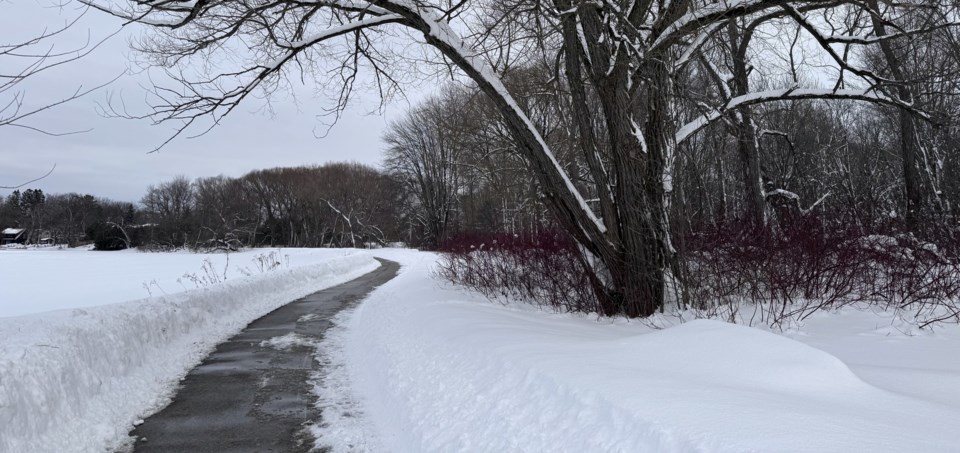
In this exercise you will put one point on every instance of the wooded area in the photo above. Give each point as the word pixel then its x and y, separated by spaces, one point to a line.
pixel 335 205
pixel 643 127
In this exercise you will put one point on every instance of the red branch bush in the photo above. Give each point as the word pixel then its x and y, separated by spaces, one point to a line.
pixel 803 269
pixel 780 276
pixel 542 268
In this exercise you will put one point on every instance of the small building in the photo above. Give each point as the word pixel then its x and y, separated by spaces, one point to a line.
pixel 12 236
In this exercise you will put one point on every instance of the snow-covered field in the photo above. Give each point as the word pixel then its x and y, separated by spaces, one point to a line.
pixel 44 279
pixel 421 366
pixel 431 368
pixel 77 379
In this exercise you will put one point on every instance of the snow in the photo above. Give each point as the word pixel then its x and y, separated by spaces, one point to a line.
pixel 288 341
pixel 700 122
pixel 697 44
pixel 429 367
pixel 43 279
pixel 889 353
pixel 344 427
pixel 422 366
pixel 702 16
pixel 77 380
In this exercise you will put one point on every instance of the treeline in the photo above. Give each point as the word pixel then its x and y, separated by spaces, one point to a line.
pixel 335 205
pixel 70 218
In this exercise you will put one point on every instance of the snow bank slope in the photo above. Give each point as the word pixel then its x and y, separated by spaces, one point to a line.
pixel 45 279
pixel 76 380
pixel 438 370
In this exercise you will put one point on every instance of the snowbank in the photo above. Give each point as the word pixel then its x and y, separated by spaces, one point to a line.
pixel 76 380
pixel 36 280
pixel 436 369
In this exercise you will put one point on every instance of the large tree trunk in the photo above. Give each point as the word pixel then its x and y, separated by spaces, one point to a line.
pixel 908 130
pixel 749 152
pixel 638 268
pixel 627 255
pixel 911 175
pixel 746 134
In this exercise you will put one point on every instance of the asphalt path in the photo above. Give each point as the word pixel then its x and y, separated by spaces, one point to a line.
pixel 248 397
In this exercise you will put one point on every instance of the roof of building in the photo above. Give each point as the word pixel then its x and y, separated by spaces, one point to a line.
pixel 13 230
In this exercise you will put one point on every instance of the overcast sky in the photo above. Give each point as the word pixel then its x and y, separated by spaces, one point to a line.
pixel 113 161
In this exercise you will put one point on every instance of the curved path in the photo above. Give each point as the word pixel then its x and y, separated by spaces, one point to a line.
pixel 245 397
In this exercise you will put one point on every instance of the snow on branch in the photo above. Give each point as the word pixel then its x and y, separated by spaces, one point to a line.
pixel 705 16
pixel 793 199
pixel 824 43
pixel 340 30
pixel 788 94
pixel 451 44
pixel 697 44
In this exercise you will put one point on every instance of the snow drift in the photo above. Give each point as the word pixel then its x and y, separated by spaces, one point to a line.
pixel 76 380
pixel 435 369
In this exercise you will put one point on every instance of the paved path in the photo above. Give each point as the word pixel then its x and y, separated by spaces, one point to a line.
pixel 250 398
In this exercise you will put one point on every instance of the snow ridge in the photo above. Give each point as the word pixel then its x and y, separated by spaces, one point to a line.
pixel 436 369
pixel 77 380
pixel 436 396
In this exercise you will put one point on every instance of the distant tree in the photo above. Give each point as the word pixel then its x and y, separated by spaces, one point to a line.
pixel 360 201
pixel 109 236
pixel 32 204
pixel 170 205
pixel 223 214
pixel 116 227
pixel 427 154
pixel 12 210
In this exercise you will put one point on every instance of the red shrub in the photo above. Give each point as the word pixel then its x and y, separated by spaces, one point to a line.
pixel 541 268
pixel 781 276
pixel 793 274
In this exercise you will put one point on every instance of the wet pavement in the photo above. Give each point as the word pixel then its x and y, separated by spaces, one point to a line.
pixel 245 397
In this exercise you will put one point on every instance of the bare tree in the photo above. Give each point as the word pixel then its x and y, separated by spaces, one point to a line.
pixel 426 153
pixel 171 205
pixel 624 61
pixel 24 184
pixel 224 216
pixel 25 60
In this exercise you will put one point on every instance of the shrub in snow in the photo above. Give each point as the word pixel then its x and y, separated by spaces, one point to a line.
pixel 542 268
pixel 740 276
pixel 208 275
pixel 111 237
pixel 806 268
